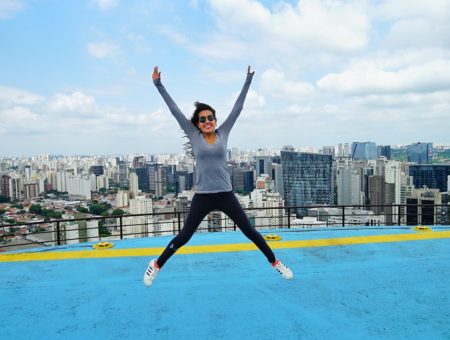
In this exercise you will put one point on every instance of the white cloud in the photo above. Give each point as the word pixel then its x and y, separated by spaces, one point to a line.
pixel 11 95
pixel 372 77
pixel 105 4
pixel 103 49
pixel 275 83
pixel 76 102
pixel 310 24
pixel 9 7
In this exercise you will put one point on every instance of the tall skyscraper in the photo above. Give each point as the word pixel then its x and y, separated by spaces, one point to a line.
pixel 134 185
pixel 307 179
pixel 420 153
pixel 329 150
pixel 430 176
pixel 348 183
pixel 263 165
pixel 384 151
pixel 143 178
pixel 277 175
pixel 364 151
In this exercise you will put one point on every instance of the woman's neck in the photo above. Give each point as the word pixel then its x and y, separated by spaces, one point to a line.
pixel 210 138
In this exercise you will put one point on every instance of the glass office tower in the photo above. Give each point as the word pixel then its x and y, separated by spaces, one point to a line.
pixel 364 151
pixel 430 176
pixel 307 179
pixel 420 153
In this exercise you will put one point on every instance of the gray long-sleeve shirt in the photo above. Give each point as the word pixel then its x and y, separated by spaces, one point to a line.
pixel 212 174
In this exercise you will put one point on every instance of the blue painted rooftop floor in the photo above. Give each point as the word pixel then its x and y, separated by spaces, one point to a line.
pixel 392 290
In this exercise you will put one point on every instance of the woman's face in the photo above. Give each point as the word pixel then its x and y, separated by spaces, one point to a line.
pixel 206 121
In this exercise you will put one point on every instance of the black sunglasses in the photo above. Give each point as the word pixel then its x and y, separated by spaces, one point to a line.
pixel 203 118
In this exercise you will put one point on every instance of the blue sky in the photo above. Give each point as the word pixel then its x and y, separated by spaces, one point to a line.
pixel 75 76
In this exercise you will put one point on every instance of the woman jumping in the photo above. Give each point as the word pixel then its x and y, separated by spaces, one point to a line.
pixel 213 183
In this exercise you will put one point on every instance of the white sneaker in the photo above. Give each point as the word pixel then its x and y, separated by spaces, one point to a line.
pixel 283 270
pixel 150 273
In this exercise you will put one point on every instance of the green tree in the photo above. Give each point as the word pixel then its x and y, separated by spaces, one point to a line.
pixel 83 210
pixel 118 212
pixel 97 208
pixel 4 199
pixel 35 209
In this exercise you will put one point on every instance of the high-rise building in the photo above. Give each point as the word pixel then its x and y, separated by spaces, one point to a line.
pixel 329 150
pixel 430 176
pixel 277 176
pixel 5 185
pixel 242 180
pixel 122 198
pixel 139 226
pixel 263 165
pixel 97 170
pixel 30 190
pixel 377 193
pixel 134 185
pixel 143 178
pixel 420 153
pixel 348 183
pixel 79 186
pixel 384 151
pixel 61 184
pixel 422 207
pixel 364 151
pixel 307 179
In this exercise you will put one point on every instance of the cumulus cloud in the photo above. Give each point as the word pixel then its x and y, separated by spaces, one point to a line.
pixel 9 7
pixel 103 49
pixel 11 95
pixel 275 83
pixel 310 24
pixel 365 77
pixel 76 102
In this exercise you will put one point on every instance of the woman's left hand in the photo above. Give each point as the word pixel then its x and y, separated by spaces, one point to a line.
pixel 249 70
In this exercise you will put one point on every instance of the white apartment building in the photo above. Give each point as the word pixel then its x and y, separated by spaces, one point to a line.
pixel 61 184
pixel 79 186
pixel 134 185
pixel 272 216
pixel 139 226
pixel 122 199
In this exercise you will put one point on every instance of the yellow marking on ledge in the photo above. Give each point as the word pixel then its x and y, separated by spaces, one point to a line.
pixel 219 248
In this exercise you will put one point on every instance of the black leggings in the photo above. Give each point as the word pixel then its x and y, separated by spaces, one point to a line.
pixel 201 205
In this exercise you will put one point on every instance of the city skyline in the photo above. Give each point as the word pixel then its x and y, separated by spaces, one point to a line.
pixel 76 77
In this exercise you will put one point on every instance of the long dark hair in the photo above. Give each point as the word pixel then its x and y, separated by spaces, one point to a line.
pixel 199 107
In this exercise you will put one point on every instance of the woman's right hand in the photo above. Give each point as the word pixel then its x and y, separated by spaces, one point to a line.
pixel 156 74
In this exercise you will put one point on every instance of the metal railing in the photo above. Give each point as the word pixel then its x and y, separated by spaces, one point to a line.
pixel 94 228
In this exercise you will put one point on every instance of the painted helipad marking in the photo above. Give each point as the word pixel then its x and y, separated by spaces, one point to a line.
pixel 219 248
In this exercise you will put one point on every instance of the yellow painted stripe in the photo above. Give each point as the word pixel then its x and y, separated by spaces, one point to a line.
pixel 219 248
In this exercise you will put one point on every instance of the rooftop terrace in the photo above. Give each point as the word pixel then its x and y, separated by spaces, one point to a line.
pixel 349 283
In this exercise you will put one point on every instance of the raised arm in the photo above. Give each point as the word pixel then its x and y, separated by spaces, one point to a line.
pixel 238 105
pixel 185 123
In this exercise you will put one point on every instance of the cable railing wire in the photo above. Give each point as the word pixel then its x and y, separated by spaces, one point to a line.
pixel 64 231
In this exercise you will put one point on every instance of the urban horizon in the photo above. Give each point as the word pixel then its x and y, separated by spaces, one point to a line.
pixel 313 149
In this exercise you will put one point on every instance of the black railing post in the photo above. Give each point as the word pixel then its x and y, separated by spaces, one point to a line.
pixel 289 217
pixel 179 221
pixel 399 215
pixel 58 234
pixel 121 227
pixel 343 215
